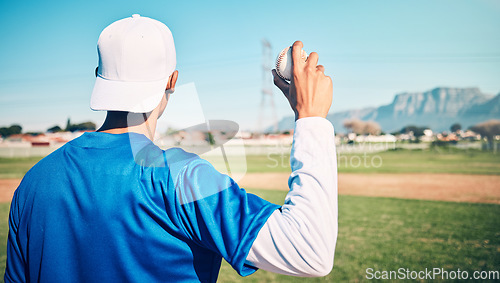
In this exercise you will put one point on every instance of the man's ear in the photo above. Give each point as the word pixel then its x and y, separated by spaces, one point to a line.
pixel 172 80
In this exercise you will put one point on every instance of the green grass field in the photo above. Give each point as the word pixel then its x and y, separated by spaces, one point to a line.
pixel 398 161
pixel 16 167
pixel 378 233
pixel 387 234
pixel 422 161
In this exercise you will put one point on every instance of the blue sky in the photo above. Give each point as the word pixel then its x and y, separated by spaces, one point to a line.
pixel 372 49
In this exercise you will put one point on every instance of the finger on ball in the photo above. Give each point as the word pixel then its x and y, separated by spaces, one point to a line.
pixel 297 52
pixel 313 58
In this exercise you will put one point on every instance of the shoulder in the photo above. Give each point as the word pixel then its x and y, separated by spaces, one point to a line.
pixel 49 164
pixel 178 161
pixel 196 179
pixel 189 163
pixel 178 155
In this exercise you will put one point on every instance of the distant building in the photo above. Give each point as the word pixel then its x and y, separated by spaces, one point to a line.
pixel 48 139
pixel 428 136
pixel 372 138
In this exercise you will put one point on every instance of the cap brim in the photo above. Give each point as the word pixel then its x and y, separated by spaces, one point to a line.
pixel 136 97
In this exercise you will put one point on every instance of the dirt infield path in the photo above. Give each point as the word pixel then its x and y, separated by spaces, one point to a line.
pixel 445 187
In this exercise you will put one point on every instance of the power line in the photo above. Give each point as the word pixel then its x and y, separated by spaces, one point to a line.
pixel 267 111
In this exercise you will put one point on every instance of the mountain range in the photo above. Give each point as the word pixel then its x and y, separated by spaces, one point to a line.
pixel 437 109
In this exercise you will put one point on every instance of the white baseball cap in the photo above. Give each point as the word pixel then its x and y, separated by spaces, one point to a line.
pixel 136 58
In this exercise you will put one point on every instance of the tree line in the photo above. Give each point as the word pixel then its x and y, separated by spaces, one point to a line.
pixel 85 126
pixel 488 129
pixel 17 129
pixel 12 130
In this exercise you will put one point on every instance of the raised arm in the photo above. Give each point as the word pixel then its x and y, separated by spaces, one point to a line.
pixel 300 238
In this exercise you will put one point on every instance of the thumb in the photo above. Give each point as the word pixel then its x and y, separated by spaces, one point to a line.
pixel 282 84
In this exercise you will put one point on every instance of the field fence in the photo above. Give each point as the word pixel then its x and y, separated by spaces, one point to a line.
pixel 230 150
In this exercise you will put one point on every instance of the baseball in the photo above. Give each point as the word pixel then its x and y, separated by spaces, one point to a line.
pixel 284 63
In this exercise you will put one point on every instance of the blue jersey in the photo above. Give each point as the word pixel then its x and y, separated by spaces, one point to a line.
pixel 116 208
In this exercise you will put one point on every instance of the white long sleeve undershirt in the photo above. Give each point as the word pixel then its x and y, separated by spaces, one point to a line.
pixel 300 238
